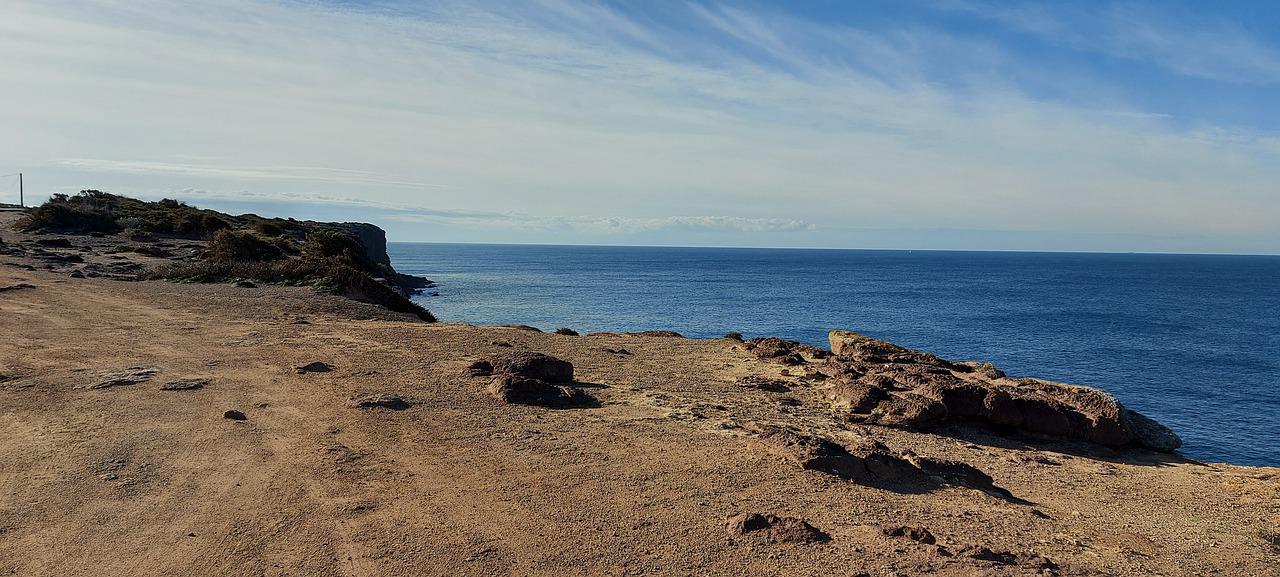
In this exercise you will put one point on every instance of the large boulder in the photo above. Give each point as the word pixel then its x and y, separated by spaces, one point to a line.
pixel 881 383
pixel 533 366
pixel 516 389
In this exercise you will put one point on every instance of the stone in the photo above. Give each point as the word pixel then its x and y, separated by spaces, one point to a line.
pixel 774 529
pixel 533 366
pixel 16 287
pixel 129 376
pixel 516 389
pixel 234 415
pixel 184 384
pixel 316 367
pixel 481 368
pixel 382 401
pixel 915 533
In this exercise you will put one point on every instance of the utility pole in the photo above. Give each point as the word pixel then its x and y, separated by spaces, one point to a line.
pixel 21 201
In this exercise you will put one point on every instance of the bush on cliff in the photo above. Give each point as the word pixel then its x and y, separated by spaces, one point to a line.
pixel 327 274
pixel 97 211
pixel 242 245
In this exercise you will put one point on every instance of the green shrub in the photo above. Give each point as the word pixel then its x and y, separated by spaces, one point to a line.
pixel 241 246
pixel 84 212
pixel 324 274
pixel 268 228
pixel 566 331
pixel 733 336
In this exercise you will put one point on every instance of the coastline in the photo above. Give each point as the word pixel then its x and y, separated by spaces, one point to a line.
pixel 459 483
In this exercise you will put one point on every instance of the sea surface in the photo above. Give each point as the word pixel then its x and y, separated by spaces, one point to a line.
pixel 1190 340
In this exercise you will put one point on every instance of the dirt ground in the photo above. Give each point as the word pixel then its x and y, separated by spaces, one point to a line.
pixel 136 480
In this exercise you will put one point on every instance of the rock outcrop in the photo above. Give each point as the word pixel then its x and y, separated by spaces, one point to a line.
pixel 530 378
pixel 871 463
pixel 783 351
pixel 877 382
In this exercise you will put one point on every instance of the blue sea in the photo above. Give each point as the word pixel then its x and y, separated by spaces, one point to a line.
pixel 1190 340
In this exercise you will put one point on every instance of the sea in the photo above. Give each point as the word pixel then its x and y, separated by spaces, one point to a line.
pixel 1192 341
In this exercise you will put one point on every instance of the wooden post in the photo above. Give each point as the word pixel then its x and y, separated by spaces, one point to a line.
pixel 21 201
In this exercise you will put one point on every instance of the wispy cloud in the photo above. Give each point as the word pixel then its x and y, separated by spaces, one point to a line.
pixel 301 173
pixel 606 224
pixel 1190 44
pixel 565 110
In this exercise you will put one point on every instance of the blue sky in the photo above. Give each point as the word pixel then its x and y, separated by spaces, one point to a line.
pixel 958 124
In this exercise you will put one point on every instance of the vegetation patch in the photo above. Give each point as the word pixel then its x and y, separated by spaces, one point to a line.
pixel 327 256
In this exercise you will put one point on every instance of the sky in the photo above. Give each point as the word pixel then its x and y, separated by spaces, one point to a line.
pixel 929 124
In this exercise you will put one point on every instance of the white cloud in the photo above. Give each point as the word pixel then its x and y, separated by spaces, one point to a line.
pixel 606 224
pixel 564 111
pixel 1195 45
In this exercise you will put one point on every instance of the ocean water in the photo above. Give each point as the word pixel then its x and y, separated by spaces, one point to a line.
pixel 1192 341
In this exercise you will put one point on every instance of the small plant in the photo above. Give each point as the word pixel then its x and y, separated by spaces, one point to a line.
pixel 733 336
pixel 566 331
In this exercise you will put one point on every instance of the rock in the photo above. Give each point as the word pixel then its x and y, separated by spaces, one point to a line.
pixel 481 368
pixel 782 350
pixel 917 533
pixel 234 415
pixel 245 284
pixel 54 242
pixel 533 366
pixel 774 529
pixel 524 328
pixel 184 384
pixel 617 351
pixel 513 388
pixel 869 462
pixel 382 400
pixel 568 332
pixel 16 287
pixel 129 376
pixel 316 367
pixel 503 344
pixel 1151 434
pixel 884 384
pixel 872 463
pixel 77 274
pixel 764 383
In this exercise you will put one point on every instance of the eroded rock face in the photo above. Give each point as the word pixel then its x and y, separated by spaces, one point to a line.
pixel 881 383
pixel 774 529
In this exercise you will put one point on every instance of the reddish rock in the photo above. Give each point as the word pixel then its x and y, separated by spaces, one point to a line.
pixel 774 529
pixel 884 384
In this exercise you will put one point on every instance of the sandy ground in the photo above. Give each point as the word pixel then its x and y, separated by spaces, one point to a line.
pixel 135 480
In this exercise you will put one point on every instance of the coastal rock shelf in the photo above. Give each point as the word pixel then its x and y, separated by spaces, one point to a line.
pixel 881 383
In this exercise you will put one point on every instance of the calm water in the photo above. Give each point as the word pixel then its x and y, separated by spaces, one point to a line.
pixel 1193 341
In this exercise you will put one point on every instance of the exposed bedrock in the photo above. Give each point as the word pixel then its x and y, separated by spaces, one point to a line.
pixel 869 462
pixel 881 383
